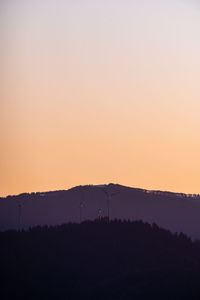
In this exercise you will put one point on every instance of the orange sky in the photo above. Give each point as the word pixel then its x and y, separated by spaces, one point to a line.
pixel 99 91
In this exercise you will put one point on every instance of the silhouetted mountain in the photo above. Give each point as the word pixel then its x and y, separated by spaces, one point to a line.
pixel 174 211
pixel 99 260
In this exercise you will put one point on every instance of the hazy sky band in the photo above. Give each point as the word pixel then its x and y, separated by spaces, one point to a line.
pixel 98 92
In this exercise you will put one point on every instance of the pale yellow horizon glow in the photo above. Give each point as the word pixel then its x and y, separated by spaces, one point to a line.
pixel 94 92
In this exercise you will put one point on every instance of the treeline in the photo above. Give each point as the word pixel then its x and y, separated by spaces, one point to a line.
pixel 99 260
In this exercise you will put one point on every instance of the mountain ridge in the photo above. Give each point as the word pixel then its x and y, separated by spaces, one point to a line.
pixel 177 212
pixel 177 194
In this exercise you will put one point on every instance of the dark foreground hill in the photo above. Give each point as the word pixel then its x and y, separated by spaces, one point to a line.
pixel 174 211
pixel 99 260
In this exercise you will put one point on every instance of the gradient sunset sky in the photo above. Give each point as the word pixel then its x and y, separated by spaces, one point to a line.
pixel 100 91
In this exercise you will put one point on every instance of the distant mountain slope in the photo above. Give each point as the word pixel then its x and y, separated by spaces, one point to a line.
pixel 177 212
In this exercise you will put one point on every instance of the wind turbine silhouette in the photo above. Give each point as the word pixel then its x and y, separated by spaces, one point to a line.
pixel 99 214
pixel 109 196
pixel 20 205
pixel 82 205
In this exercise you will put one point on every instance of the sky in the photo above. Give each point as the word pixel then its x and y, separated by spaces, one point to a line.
pixel 93 92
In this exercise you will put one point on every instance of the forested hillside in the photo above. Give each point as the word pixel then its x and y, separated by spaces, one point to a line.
pixel 99 260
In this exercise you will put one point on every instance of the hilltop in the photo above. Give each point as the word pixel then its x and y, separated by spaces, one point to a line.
pixel 177 212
